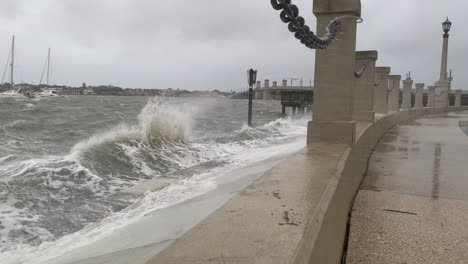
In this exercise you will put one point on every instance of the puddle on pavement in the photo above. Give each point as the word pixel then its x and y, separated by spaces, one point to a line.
pixel 464 126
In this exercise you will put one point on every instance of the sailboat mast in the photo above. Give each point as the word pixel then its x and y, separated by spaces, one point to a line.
pixel 48 67
pixel 12 65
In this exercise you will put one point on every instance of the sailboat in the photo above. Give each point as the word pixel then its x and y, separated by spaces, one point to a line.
pixel 14 92
pixel 49 92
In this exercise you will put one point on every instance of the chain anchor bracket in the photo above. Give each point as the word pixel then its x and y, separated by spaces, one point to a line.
pixel 361 71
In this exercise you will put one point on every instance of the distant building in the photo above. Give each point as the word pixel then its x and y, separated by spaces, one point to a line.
pixel 88 91
pixel 71 91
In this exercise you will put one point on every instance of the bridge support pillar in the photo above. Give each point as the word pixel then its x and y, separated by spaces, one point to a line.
pixel 334 75
pixel 431 97
pixel 363 106
pixel 458 94
pixel 258 91
pixel 407 93
pixel 394 93
pixel 381 90
pixel 418 99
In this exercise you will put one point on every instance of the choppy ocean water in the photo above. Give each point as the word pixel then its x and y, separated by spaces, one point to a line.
pixel 66 163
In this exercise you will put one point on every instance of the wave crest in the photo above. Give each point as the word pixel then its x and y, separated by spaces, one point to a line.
pixel 157 123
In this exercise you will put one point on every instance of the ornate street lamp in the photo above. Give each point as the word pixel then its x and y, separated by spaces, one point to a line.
pixel 443 70
pixel 446 27
pixel 251 79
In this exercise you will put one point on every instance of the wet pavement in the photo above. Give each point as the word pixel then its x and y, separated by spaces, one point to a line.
pixel 413 203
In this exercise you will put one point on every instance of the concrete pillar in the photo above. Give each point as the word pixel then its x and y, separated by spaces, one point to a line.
pixel 418 98
pixel 407 92
pixel 431 97
pixel 381 90
pixel 334 75
pixel 394 93
pixel 458 94
pixel 285 83
pixel 267 84
pixel 258 91
pixel 441 94
pixel 275 85
pixel 363 109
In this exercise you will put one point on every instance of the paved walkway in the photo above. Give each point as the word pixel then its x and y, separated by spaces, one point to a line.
pixel 413 203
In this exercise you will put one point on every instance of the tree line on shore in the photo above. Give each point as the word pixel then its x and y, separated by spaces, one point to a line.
pixel 114 90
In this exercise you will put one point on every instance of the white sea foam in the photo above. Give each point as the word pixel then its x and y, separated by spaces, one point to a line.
pixel 176 193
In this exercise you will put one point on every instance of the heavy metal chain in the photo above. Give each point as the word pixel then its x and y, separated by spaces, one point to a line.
pixel 290 14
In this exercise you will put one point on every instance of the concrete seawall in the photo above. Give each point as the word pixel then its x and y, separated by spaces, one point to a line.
pixel 295 213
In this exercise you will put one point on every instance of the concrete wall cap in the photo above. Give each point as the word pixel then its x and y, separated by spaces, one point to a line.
pixel 419 85
pixel 408 81
pixel 367 55
pixel 395 77
pixel 337 6
pixel 382 69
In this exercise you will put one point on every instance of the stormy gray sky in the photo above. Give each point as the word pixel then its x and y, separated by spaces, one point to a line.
pixel 209 44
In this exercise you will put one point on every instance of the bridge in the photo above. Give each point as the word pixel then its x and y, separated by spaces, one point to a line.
pixel 274 92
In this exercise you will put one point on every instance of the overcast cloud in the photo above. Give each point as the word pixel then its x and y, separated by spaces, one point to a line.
pixel 209 44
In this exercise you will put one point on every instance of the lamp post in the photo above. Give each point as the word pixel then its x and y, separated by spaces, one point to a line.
pixel 443 70
pixel 251 79
pixel 443 85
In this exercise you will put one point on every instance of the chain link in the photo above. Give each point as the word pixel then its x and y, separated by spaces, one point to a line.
pixel 290 15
